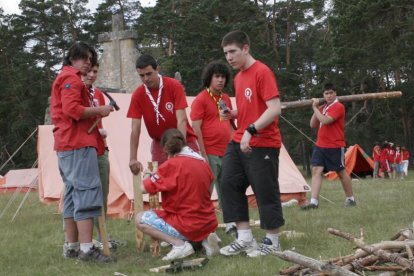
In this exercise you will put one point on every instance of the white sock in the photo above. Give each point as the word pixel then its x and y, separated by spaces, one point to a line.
pixel 273 237
pixel 85 247
pixel 350 197
pixel 245 235
pixel 314 201
pixel 73 245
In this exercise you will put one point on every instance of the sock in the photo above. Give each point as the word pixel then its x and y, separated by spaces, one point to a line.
pixel 273 237
pixel 350 197
pixel 85 247
pixel 314 201
pixel 245 235
pixel 73 246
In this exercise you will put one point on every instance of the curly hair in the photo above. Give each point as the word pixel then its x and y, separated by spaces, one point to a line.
pixel 215 67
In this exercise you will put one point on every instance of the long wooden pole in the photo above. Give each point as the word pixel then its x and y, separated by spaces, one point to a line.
pixel 138 207
pixel 104 233
pixel 347 98
pixel 154 204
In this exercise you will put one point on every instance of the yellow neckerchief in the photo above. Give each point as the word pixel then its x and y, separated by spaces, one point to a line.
pixel 216 101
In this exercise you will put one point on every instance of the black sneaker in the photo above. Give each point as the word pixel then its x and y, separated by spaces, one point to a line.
pixel 309 206
pixel 95 255
pixel 69 253
pixel 350 203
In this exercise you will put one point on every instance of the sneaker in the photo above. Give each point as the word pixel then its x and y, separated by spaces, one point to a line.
pixel 232 231
pixel 164 244
pixel 236 247
pixel 95 255
pixel 309 206
pixel 69 253
pixel 350 203
pixel 266 247
pixel 99 244
pixel 179 252
pixel 211 244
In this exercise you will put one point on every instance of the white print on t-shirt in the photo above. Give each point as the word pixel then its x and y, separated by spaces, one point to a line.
pixel 170 107
pixel 248 94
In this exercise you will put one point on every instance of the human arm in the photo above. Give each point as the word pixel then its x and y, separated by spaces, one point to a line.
pixel 100 111
pixel 197 129
pixel 181 121
pixel 134 165
pixel 272 111
pixel 317 117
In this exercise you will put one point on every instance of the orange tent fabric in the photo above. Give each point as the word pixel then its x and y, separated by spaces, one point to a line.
pixel 356 162
pixel 120 199
pixel 23 179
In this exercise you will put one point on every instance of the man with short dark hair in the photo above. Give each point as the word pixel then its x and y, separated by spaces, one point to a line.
pixel 73 114
pixel 161 102
pixel 329 151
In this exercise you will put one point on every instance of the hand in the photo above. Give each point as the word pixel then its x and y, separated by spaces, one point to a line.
pixel 244 143
pixel 104 110
pixel 135 166
pixel 315 102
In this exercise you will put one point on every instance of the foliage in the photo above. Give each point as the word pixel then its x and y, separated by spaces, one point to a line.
pixel 36 236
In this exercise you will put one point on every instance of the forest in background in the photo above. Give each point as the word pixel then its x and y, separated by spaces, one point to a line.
pixel 362 46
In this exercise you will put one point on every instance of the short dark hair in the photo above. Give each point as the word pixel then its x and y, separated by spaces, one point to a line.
pixel 80 50
pixel 215 67
pixel 329 86
pixel 144 60
pixel 172 141
pixel 235 37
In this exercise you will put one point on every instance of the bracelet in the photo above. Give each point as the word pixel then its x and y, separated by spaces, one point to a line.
pixel 251 129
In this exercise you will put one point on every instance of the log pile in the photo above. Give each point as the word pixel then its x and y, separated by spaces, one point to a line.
pixel 393 257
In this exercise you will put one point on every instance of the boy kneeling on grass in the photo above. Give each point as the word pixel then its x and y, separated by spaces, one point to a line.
pixel 187 212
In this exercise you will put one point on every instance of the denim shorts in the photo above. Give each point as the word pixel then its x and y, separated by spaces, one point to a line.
pixel 152 219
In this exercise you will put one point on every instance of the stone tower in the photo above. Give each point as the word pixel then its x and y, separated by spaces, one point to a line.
pixel 117 63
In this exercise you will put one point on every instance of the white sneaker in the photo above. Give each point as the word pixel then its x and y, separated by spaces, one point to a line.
pixel 164 244
pixel 236 247
pixel 179 252
pixel 99 244
pixel 266 247
pixel 211 244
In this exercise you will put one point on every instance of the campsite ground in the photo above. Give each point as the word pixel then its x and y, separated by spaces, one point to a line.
pixel 32 244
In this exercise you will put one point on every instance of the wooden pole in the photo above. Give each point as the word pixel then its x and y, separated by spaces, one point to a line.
pixel 343 99
pixel 154 204
pixel 104 233
pixel 138 207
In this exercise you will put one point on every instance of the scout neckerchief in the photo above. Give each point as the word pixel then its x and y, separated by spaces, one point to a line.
pixel 91 93
pixel 156 105
pixel 216 101
pixel 326 108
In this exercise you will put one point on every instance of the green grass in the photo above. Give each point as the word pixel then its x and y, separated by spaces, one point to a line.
pixel 32 244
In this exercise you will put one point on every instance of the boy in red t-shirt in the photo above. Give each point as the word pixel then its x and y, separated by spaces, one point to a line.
pixel 376 152
pixel 252 157
pixel 329 151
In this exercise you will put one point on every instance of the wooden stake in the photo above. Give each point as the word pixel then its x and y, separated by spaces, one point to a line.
pixel 103 232
pixel 154 204
pixel 138 207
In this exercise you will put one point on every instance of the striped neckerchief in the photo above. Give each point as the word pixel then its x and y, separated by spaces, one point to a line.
pixel 156 105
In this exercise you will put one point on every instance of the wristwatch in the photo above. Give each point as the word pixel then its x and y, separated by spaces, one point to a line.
pixel 251 129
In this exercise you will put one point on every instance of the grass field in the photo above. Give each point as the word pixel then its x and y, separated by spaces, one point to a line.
pixel 32 244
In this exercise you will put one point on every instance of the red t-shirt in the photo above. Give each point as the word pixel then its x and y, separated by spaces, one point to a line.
pixel 376 153
pixel 397 157
pixel 332 135
pixel 68 102
pixel 254 86
pixel 172 98
pixel 184 183
pixel 405 154
pixel 99 100
pixel 391 155
pixel 384 154
pixel 216 133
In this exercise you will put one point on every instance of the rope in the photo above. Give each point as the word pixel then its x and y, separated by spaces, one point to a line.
pixel 14 153
pixel 32 184
pixel 300 131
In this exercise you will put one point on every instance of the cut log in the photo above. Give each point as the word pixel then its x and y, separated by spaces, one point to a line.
pixel 343 99
pixel 154 204
pixel 138 207
pixel 325 268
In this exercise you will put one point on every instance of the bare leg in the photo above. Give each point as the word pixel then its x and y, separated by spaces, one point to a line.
pixel 346 183
pixel 71 230
pixel 316 181
pixel 85 228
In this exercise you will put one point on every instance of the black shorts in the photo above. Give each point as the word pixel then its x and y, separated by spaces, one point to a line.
pixel 260 170
pixel 332 159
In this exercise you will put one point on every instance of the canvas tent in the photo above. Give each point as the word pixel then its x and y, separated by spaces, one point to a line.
pixel 357 163
pixel 22 180
pixel 120 204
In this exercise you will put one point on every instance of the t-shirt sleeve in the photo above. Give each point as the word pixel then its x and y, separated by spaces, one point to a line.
pixel 71 91
pixel 179 95
pixel 267 84
pixel 99 96
pixel 165 179
pixel 197 110
pixel 134 110
pixel 337 111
